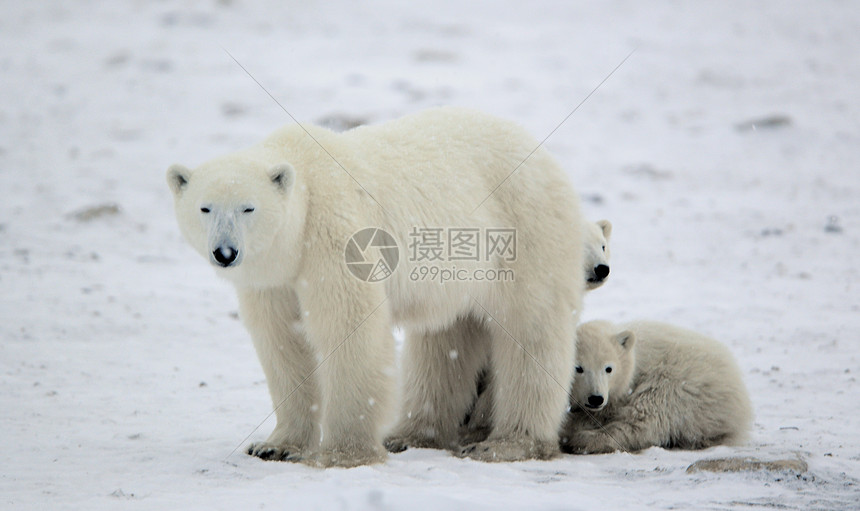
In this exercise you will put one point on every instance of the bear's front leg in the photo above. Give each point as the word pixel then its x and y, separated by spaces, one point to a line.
pixel 610 437
pixel 532 362
pixel 272 318
pixel 588 442
pixel 350 328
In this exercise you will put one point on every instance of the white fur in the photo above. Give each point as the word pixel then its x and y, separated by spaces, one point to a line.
pixel 479 421
pixel 431 169
pixel 668 387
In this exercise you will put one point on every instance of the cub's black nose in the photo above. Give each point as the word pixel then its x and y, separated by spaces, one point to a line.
pixel 601 271
pixel 225 255
pixel 595 401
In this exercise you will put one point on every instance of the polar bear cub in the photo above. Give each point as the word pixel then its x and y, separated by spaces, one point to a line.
pixel 596 244
pixel 653 384
pixel 276 219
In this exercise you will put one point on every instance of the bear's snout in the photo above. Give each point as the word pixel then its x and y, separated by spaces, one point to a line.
pixel 594 401
pixel 601 271
pixel 225 256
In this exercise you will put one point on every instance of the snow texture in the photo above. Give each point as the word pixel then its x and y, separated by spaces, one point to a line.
pixel 724 151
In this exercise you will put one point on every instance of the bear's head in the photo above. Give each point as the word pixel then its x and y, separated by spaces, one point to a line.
pixel 604 364
pixel 596 244
pixel 232 210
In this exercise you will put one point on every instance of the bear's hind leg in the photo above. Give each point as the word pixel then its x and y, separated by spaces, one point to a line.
pixel 480 420
pixel 440 371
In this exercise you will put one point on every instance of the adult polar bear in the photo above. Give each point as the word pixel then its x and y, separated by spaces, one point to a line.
pixel 274 220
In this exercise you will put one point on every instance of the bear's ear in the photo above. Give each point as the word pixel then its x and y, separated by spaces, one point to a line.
pixel 177 178
pixel 283 176
pixel 626 339
pixel 606 227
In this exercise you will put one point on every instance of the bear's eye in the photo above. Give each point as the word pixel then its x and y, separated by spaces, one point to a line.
pixel 249 210
pixel 603 248
pixel 579 369
pixel 608 369
pixel 204 210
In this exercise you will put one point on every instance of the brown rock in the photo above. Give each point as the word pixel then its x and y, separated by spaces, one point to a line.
pixel 795 466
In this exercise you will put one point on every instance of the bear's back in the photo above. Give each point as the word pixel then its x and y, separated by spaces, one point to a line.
pixel 696 376
pixel 447 148
pixel 679 352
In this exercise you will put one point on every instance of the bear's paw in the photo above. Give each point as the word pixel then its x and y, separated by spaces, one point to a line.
pixel 273 452
pixel 398 443
pixel 590 442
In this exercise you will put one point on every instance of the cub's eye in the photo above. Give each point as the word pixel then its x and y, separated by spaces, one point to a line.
pixel 603 248
pixel 204 210
pixel 249 210
pixel 579 369
pixel 609 369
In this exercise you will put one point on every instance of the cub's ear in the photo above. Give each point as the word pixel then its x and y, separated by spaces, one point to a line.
pixel 283 176
pixel 177 178
pixel 626 339
pixel 606 227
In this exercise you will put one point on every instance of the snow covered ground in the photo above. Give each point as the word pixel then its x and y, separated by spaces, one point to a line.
pixel 724 151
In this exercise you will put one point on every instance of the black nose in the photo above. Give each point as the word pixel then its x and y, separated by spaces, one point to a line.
pixel 225 255
pixel 595 401
pixel 601 271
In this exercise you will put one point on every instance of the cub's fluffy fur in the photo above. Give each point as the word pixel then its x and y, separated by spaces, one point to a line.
pixel 652 384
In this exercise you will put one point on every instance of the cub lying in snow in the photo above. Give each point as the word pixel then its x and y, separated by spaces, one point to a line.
pixel 652 384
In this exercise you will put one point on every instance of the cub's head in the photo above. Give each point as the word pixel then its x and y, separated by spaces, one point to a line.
pixel 231 209
pixel 596 244
pixel 604 364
